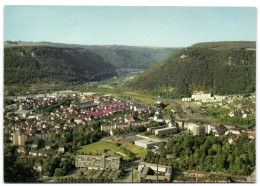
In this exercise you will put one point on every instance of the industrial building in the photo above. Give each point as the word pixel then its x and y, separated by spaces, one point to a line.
pixel 148 143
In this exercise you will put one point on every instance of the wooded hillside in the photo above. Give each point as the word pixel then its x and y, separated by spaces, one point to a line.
pixel 27 65
pixel 227 70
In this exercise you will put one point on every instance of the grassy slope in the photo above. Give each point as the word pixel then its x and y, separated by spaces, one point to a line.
pixel 100 146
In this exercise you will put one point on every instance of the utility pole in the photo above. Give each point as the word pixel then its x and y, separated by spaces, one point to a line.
pixel 132 174
pixel 157 172
pixel 197 176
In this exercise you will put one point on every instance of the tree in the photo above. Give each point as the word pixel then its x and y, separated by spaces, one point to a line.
pixel 17 170
pixel 58 172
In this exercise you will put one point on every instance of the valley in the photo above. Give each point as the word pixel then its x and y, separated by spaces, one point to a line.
pixel 112 126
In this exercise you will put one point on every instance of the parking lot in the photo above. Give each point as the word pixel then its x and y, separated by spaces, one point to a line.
pixel 108 173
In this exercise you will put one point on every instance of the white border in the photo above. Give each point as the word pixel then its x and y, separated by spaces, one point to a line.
pixel 215 3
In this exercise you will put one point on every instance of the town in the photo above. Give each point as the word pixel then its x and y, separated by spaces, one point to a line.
pixel 72 135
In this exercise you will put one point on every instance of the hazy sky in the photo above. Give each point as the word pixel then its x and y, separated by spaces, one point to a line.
pixel 142 26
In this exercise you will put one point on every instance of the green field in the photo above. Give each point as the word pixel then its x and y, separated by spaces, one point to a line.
pixel 98 148
pixel 139 152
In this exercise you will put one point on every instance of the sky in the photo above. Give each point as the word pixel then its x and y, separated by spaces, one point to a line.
pixel 134 26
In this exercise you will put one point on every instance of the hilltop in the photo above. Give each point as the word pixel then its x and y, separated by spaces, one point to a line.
pixel 216 67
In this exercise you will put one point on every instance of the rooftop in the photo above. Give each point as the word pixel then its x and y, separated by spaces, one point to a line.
pixel 149 141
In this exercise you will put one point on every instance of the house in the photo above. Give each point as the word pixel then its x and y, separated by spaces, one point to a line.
pixel 61 149
pixel 33 152
pixel 129 118
pixel 48 146
pixel 43 154
pixel 79 120
pixel 35 144
pixel 21 150
pixel 139 108
pixel 235 131
pixel 231 114
pixel 251 135
pixel 244 115
pixel 158 117
pixel 38 167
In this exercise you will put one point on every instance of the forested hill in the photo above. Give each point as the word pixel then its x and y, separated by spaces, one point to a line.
pixel 219 68
pixel 41 64
pixel 118 55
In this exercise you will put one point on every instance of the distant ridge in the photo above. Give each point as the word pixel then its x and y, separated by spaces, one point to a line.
pixel 118 55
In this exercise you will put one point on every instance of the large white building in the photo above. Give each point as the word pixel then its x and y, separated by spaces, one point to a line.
pixel 167 130
pixel 97 162
pixel 19 139
pixel 148 143
pixel 198 129
pixel 200 96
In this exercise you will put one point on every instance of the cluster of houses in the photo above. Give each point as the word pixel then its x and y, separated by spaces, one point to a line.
pixel 244 112
pixel 84 109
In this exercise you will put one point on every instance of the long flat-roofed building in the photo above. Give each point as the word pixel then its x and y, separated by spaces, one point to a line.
pixel 97 162
pixel 148 143
pixel 166 130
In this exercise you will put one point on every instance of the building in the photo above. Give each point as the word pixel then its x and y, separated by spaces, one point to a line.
pixel 37 167
pixel 21 150
pixel 139 108
pixel 152 129
pixel 186 99
pixel 200 96
pixel 22 112
pixel 148 143
pixel 61 148
pixel 97 162
pixel 35 144
pixel 19 139
pixel 48 146
pixel 129 118
pixel 167 130
pixel 198 129
pixel 143 169
pixel 233 131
